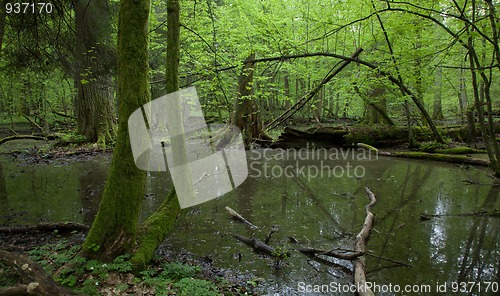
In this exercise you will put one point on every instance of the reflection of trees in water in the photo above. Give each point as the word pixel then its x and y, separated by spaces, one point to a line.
pixel 413 181
pixel 91 186
pixel 3 189
pixel 476 265
pixel 245 197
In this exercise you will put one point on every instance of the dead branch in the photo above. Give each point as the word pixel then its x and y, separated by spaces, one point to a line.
pixel 301 103
pixel 260 247
pixel 37 282
pixel 34 123
pixel 390 260
pixel 19 137
pixel 360 246
pixel 240 218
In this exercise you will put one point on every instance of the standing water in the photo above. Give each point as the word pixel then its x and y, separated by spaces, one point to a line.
pixel 432 232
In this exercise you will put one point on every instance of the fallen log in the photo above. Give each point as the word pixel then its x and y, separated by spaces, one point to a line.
pixel 240 218
pixel 461 159
pixel 35 280
pixel 360 246
pixel 49 227
pixel 20 137
pixel 260 247
pixel 314 252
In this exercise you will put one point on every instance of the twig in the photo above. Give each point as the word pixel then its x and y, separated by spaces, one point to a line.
pixel 240 218
pixel 390 260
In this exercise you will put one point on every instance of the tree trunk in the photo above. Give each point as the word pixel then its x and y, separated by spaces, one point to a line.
pixel 156 228
pixel 2 24
pixel 94 104
pixel 115 225
pixel 246 115
pixel 437 110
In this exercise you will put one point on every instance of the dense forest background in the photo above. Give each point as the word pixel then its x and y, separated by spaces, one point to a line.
pixel 63 63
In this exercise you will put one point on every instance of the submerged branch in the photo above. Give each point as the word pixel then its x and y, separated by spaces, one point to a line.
pixel 240 218
pixel 360 246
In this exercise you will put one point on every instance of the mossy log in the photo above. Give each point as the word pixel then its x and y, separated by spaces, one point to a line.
pixel 460 150
pixel 35 280
pixel 461 159
pixel 377 136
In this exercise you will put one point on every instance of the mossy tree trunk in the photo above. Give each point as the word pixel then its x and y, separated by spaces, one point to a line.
pixel 114 227
pixel 2 24
pixel 246 115
pixel 156 228
pixel 94 103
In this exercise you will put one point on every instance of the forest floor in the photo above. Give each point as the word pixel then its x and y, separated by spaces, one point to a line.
pixel 170 272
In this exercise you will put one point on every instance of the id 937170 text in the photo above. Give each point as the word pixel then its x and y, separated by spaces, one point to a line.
pixel 28 7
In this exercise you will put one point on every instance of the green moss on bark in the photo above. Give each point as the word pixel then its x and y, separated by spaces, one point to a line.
pixel 114 227
pixel 154 230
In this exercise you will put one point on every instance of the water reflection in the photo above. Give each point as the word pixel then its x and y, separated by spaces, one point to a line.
pixel 322 212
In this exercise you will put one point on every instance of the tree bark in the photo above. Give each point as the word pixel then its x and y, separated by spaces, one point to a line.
pixel 437 110
pixel 246 115
pixel 3 15
pixel 115 225
pixel 94 104
pixel 156 228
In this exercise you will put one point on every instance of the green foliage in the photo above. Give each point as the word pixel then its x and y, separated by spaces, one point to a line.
pixel 72 138
pixel 431 146
pixel 8 276
pixel 177 271
pixel 91 276
pixel 189 287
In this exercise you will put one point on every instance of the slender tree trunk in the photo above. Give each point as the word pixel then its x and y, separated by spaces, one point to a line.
pixel 3 15
pixel 286 86
pixel 437 111
pixel 462 92
pixel 114 227
pixel 94 104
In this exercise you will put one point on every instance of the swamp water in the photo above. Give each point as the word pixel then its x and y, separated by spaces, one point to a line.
pixel 325 211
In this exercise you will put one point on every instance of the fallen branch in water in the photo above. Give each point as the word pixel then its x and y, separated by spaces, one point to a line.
pixel 388 259
pixel 260 247
pixel 331 253
pixel 49 227
pixel 494 213
pixel 35 280
pixel 240 218
pixel 360 246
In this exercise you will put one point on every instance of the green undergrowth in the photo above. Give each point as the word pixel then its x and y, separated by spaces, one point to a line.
pixel 62 262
